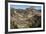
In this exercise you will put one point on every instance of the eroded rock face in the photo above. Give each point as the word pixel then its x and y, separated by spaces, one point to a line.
pixel 25 19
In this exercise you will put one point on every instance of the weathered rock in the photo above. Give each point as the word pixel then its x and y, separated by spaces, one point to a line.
pixel 25 19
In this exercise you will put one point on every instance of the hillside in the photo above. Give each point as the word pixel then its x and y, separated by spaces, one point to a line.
pixel 28 18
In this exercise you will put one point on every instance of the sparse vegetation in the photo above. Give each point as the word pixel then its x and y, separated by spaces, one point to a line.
pixel 28 18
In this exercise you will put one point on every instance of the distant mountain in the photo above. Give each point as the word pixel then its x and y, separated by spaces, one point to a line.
pixel 28 18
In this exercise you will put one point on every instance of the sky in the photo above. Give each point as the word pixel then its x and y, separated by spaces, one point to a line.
pixel 24 7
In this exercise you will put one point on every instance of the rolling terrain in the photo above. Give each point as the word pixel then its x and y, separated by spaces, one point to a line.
pixel 28 18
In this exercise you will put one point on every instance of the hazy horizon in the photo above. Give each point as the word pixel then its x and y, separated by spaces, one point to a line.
pixel 24 7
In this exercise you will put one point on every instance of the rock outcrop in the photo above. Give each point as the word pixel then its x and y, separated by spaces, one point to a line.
pixel 25 18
